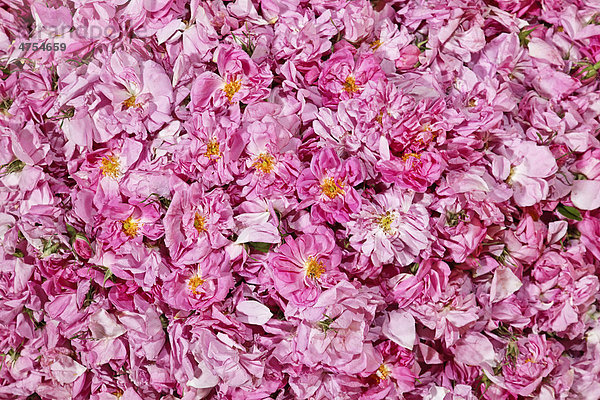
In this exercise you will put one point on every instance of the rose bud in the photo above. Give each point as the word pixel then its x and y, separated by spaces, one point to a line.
pixel 81 246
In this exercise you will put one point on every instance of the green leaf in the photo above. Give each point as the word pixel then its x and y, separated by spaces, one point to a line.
pixel 71 231
pixel 49 247
pixel 164 201
pixel 89 297
pixel 414 267
pixel 13 166
pixel 569 212
pixel 28 312
pixel 5 104
pixel 260 246
pixel 325 324
pixel 164 321
pixel 107 275
pixel 523 36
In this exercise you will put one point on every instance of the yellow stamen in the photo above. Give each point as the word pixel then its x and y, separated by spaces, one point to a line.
pixel 350 85
pixel 383 372
pixel 331 188
pixel 406 156
pixel 213 149
pixel 314 268
pixel 199 223
pixel 386 220
pixel 130 227
pixel 130 102
pixel 194 282
pixel 264 162
pixel 511 174
pixel 375 45
pixel 232 87
pixel 109 166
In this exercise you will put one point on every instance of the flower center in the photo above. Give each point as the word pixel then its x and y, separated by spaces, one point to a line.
pixel 511 175
pixel 194 282
pixel 314 268
pixel 332 188
pixel 232 87
pixel 264 162
pixel 406 156
pixel 109 166
pixel 130 227
pixel 213 149
pixel 383 372
pixel 130 102
pixel 350 85
pixel 385 222
pixel 375 45
pixel 199 223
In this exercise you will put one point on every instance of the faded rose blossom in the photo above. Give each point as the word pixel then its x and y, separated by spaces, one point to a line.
pixel 413 170
pixel 334 330
pixel 392 228
pixel 528 360
pixel 199 285
pixel 526 171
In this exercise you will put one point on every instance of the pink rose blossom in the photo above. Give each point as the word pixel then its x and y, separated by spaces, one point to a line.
pixel 305 266
pixel 328 186
pixel 196 223
pixel 392 228
pixel 239 79
pixel 345 74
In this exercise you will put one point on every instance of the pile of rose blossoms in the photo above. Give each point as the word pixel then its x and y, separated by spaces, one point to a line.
pixel 299 199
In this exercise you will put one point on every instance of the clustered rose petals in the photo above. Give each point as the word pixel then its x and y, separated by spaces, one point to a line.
pixel 258 199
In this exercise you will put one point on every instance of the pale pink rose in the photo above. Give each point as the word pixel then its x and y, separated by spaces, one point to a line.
pixel 200 285
pixel 526 242
pixel 334 331
pixel 358 19
pixel 393 227
pixel 303 267
pixel 531 166
pixel 535 360
pixel 229 361
pixel 453 314
pixel 197 222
